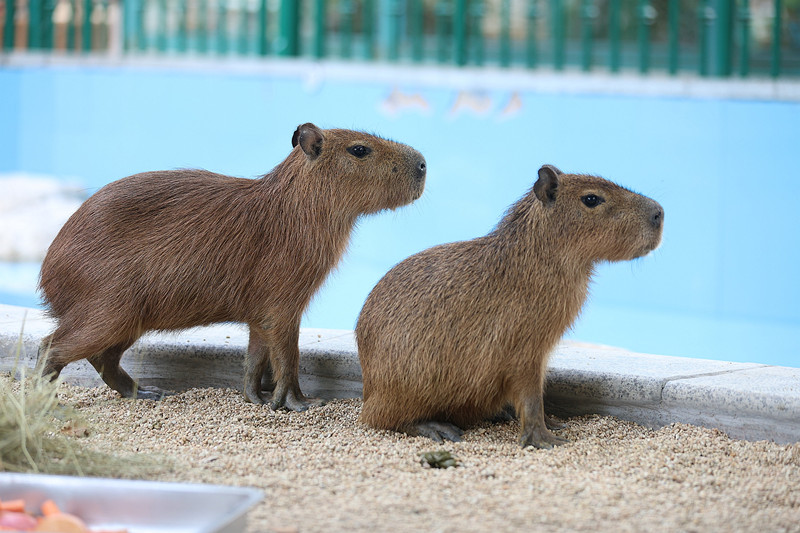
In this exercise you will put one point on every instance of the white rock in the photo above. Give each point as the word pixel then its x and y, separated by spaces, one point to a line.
pixel 32 210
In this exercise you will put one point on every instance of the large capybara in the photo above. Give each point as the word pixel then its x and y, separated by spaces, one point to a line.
pixel 176 249
pixel 454 334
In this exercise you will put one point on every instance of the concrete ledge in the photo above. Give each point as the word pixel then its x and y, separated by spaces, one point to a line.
pixel 746 400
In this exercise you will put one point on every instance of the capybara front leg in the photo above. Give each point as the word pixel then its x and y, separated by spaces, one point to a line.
pixel 534 430
pixel 256 365
pixel 285 358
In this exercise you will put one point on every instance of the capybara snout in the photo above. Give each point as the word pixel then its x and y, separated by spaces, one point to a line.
pixel 175 249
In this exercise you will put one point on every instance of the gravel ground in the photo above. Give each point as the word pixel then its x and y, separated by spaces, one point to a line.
pixel 322 471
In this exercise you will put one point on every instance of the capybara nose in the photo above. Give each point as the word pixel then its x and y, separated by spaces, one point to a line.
pixel 657 216
pixel 421 169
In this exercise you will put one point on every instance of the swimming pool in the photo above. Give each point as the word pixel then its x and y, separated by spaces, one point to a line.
pixel 723 285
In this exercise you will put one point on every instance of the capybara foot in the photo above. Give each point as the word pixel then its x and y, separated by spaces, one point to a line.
pixel 438 431
pixel 51 372
pixel 540 437
pixel 292 401
pixel 551 423
pixel 507 414
pixel 147 393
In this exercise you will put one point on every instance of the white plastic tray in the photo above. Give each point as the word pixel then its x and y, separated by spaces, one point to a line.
pixel 138 506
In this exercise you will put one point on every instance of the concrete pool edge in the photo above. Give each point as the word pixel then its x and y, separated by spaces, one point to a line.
pixel 745 400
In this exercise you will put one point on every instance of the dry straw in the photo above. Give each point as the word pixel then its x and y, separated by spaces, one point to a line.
pixel 38 434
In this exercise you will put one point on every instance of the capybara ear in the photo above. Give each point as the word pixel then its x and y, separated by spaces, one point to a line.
pixel 309 137
pixel 546 186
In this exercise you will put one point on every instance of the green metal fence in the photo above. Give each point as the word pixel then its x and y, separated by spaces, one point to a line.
pixel 709 37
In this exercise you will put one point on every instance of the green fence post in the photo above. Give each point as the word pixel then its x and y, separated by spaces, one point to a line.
pixel 395 19
pixel 161 35
pixel 8 25
pixel 723 38
pixel 442 15
pixel 289 43
pixel 35 24
pixel 559 34
pixel 243 40
pixel 345 28
pixel 505 33
pixel 222 27
pixel 141 34
pixel 73 20
pixel 743 16
pixel 646 18
pixel 460 31
pixel 775 68
pixel 368 26
pixel 531 52
pixel 183 27
pixel 262 47
pixel 705 16
pixel 319 27
pixel 614 32
pixel 47 23
pixel 416 27
pixel 588 14
pixel 476 37
pixel 86 26
pixel 673 42
pixel 202 26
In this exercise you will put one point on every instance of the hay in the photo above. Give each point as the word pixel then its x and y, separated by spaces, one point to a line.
pixel 39 435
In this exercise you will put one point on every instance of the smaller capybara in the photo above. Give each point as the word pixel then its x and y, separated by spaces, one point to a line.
pixel 456 333
pixel 175 249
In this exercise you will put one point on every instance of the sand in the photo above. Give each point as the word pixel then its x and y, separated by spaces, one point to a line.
pixel 323 471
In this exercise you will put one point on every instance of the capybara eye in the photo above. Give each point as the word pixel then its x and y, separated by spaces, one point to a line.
pixel 359 150
pixel 592 200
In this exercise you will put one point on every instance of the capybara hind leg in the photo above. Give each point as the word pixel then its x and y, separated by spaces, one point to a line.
pixel 107 365
pixel 534 429
pixel 438 431
pixel 285 357
pixel 256 366
pixel 48 360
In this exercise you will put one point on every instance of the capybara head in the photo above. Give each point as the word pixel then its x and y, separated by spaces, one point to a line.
pixel 595 219
pixel 356 160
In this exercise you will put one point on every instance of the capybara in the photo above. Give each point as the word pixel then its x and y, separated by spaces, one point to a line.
pixel 456 333
pixel 175 249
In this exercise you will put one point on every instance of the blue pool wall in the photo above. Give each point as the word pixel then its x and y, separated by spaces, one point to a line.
pixel 723 285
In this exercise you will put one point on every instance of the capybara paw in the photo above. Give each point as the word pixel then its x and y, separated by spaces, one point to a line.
pixel 438 431
pixel 552 423
pixel 507 414
pixel 542 439
pixel 256 397
pixel 51 371
pixel 292 402
pixel 149 393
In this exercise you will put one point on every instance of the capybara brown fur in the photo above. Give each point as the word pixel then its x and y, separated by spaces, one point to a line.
pixel 454 334
pixel 175 249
